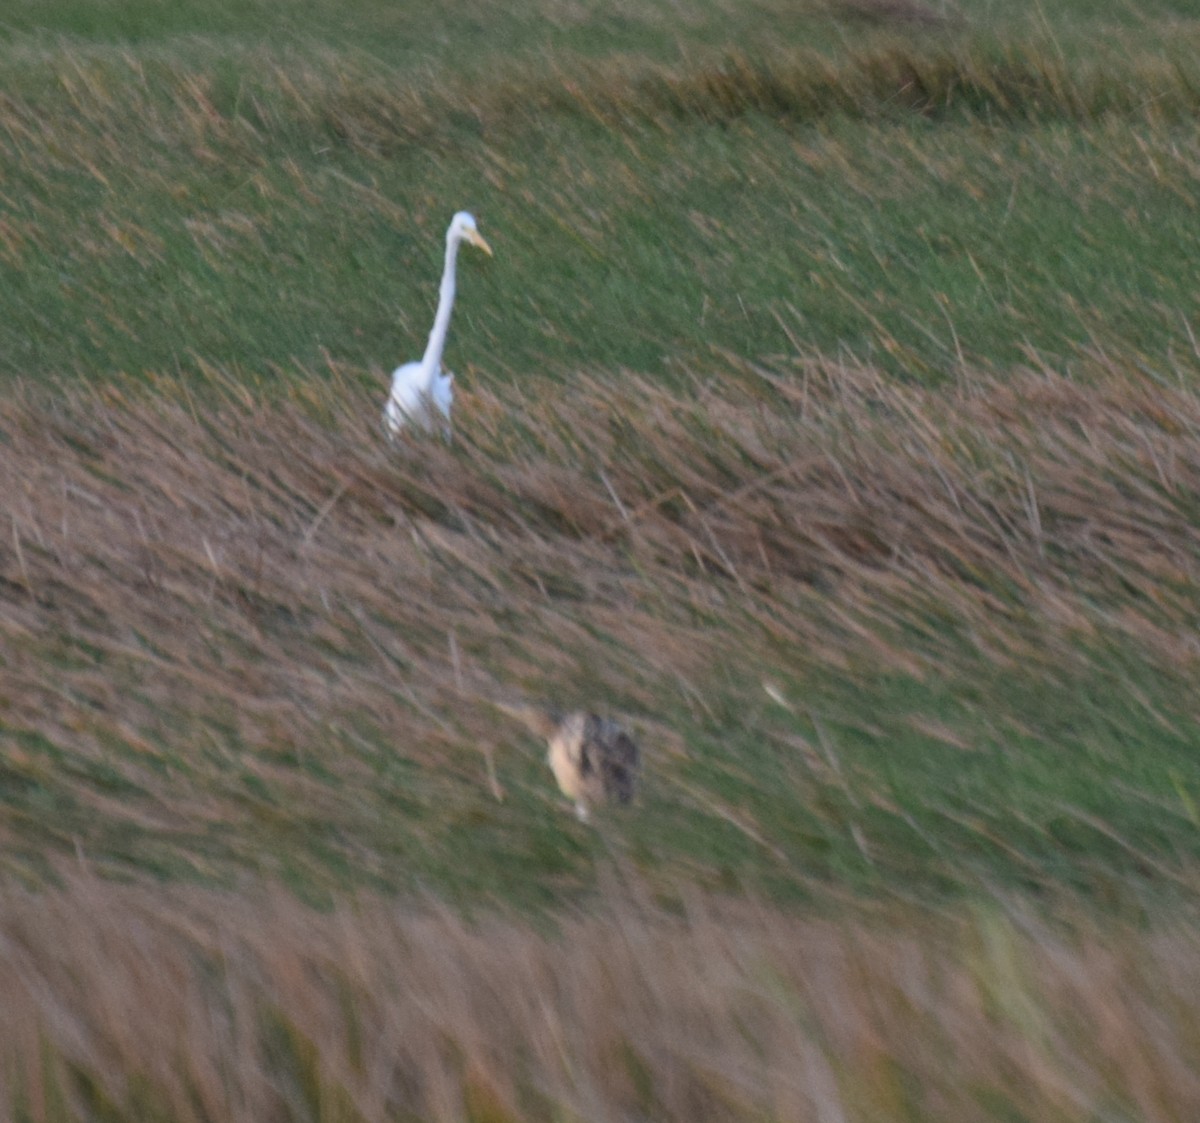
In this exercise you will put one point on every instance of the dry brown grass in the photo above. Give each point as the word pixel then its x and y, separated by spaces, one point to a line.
pixel 228 570
pixel 348 98
pixel 134 1003
pixel 293 540
pixel 229 615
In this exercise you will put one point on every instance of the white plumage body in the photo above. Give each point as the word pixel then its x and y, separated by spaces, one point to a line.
pixel 422 392
pixel 414 401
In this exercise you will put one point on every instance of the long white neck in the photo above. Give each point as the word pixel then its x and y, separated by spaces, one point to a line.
pixel 431 362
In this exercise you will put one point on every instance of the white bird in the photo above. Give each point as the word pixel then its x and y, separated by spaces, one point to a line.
pixel 421 391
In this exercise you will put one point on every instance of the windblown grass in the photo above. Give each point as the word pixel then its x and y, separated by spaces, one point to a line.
pixel 132 1004
pixel 258 207
pixel 829 413
pixel 892 636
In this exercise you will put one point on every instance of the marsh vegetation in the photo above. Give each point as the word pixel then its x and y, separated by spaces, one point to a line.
pixel 828 413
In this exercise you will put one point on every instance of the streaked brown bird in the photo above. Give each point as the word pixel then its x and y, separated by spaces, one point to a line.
pixel 594 760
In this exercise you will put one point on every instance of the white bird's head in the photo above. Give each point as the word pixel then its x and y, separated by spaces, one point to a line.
pixel 463 229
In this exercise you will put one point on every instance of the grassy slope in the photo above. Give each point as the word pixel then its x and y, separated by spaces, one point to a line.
pixel 746 400
pixel 280 200
pixel 893 640
pixel 262 190
pixel 276 212
pixel 829 409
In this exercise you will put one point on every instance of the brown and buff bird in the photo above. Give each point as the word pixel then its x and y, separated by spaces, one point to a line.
pixel 593 759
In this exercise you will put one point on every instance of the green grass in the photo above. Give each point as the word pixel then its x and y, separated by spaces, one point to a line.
pixel 275 203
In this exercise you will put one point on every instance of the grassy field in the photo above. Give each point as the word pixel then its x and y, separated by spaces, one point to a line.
pixel 829 411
